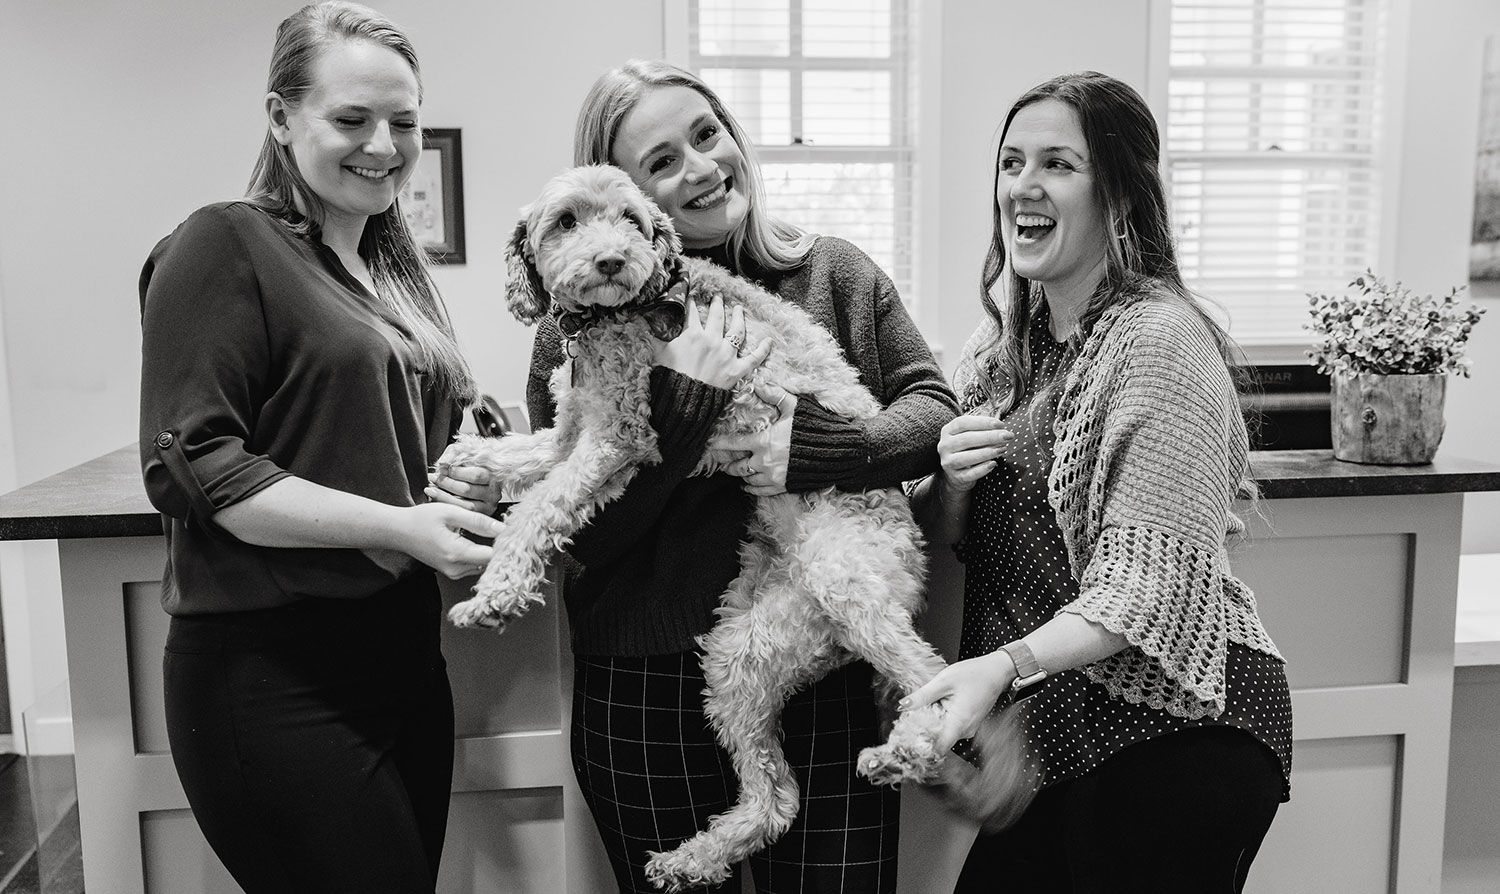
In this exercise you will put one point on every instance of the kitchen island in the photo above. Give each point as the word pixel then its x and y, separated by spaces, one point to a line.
pixel 1354 568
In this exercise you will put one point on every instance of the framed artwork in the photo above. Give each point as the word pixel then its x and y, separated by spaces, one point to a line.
pixel 433 199
pixel 1484 244
pixel 493 419
pixel 515 418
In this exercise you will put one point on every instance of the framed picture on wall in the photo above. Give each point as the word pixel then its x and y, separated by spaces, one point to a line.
pixel 433 199
pixel 1484 244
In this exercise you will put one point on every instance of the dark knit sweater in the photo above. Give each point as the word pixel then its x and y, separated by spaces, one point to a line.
pixel 263 358
pixel 652 565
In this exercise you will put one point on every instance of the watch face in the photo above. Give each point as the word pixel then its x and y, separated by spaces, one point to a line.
pixel 1024 686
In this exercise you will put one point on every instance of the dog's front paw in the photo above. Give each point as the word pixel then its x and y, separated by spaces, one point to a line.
pixel 502 595
pixel 689 867
pixel 476 612
pixel 466 450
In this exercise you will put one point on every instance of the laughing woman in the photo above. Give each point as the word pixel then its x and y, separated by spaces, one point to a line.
pixel 298 376
pixel 1095 529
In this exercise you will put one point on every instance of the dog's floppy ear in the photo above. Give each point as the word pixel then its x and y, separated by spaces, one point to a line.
pixel 525 295
pixel 666 241
pixel 668 246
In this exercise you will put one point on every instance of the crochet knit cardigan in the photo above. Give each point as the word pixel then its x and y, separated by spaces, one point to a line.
pixel 1150 453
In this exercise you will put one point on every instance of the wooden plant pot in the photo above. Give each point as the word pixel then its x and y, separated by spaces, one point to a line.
pixel 1390 420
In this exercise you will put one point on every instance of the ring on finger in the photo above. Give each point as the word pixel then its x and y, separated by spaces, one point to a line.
pixel 737 341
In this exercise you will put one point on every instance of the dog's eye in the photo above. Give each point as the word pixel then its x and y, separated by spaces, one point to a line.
pixel 639 224
pixel 567 221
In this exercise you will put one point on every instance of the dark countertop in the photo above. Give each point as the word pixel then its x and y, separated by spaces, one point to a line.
pixel 1315 473
pixel 104 497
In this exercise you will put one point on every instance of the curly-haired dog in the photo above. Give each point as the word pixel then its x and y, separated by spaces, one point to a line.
pixel 825 576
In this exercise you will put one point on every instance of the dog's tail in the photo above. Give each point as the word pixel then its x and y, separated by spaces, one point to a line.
pixel 997 778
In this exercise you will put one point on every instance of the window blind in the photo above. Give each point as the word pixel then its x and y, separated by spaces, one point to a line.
pixel 1273 152
pixel 825 90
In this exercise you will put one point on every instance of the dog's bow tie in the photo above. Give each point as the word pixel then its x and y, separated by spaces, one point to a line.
pixel 665 314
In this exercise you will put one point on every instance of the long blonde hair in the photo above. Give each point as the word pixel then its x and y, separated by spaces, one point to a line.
pixel 408 296
pixel 765 241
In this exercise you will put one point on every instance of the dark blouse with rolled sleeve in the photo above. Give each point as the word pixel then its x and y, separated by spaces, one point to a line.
pixel 263 358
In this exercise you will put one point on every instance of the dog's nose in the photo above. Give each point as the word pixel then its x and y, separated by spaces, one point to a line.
pixel 609 266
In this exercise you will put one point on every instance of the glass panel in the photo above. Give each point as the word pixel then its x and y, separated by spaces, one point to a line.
pixel 759 98
pixel 1259 115
pixel 48 808
pixel 1304 33
pixel 744 28
pixel 843 28
pixel 1273 135
pixel 854 201
pixel 846 108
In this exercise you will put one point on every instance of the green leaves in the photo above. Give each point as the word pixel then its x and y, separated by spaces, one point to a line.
pixel 1385 328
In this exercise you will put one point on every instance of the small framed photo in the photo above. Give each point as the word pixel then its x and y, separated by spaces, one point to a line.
pixel 433 199
pixel 516 420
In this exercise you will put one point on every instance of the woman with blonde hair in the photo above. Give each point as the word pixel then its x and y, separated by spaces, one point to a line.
pixel 653 564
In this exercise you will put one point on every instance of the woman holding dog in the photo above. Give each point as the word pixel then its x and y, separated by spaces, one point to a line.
pixel 299 374
pixel 653 564
pixel 1095 530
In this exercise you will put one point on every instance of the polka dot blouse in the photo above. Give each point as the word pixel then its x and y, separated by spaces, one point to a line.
pixel 1017 577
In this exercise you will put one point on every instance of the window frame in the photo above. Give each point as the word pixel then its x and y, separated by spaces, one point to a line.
pixel 1387 140
pixel 904 154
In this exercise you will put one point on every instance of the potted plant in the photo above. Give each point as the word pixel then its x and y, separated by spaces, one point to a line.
pixel 1389 353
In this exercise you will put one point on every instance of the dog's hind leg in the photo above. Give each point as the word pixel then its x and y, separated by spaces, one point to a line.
pixel 752 659
pixel 859 568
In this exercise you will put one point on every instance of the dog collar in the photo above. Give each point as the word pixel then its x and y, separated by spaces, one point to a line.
pixel 665 314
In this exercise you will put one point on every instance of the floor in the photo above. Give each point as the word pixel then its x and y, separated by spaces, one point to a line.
pixel 39 849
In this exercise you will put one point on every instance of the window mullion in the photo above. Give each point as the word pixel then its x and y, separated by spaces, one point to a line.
pixel 795 63
pixel 825 91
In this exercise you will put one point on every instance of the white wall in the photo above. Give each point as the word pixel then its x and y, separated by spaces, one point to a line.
pixel 991 53
pixel 138 113
pixel 1445 40
pixel 129 116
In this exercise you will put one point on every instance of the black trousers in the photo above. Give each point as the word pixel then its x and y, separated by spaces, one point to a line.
pixel 653 775
pixel 1182 813
pixel 315 740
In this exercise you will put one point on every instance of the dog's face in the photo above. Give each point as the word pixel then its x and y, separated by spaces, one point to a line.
pixel 592 239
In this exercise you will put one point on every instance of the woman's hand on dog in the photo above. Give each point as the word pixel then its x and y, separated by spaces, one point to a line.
pixel 769 451
pixel 966 691
pixel 467 487
pixel 708 349
pixel 433 534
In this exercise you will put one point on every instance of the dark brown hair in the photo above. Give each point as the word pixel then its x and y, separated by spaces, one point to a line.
pixel 1140 253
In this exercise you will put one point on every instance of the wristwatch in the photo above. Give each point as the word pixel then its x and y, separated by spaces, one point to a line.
pixel 1028 671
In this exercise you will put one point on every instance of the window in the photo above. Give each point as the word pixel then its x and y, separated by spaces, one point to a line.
pixel 824 88
pixel 1273 140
